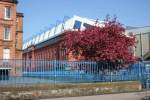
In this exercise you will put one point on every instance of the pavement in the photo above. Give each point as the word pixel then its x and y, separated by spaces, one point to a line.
pixel 121 96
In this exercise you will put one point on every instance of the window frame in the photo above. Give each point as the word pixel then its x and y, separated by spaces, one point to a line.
pixel 8 29
pixel 6 17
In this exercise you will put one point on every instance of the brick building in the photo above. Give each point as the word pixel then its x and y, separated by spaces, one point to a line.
pixel 46 46
pixel 11 30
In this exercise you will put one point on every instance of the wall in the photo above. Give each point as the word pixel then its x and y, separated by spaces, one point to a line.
pixel 16 36
pixel 143 44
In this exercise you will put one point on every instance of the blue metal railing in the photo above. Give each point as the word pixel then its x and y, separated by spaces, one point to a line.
pixel 51 72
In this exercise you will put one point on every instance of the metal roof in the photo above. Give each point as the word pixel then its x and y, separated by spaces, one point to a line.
pixel 139 30
pixel 69 25
pixel 59 29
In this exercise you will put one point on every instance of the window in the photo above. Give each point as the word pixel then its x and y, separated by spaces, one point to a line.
pixel 86 25
pixel 77 25
pixel 6 54
pixel 7 33
pixel 17 27
pixel 7 13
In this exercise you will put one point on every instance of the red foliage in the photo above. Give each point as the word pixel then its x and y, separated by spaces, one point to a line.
pixel 108 43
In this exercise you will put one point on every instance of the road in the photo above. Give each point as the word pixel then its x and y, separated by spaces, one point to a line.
pixel 121 96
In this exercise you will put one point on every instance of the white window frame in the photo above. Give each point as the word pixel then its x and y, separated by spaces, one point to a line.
pixel 5 13
pixel 8 29
pixel 6 54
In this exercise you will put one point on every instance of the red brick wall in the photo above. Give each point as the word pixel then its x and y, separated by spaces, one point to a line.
pixel 15 42
pixel 50 52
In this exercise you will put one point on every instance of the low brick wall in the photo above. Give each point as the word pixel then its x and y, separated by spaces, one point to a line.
pixel 65 90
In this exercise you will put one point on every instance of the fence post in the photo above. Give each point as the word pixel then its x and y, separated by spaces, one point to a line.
pixel 139 68
pixel 111 76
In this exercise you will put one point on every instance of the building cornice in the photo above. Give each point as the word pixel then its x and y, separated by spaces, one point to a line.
pixel 20 14
pixel 10 1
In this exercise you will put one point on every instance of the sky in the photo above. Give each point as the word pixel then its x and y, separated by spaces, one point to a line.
pixel 41 14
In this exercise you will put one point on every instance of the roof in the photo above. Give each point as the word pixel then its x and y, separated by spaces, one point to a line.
pixel 139 30
pixel 73 23
pixel 69 25
pixel 130 27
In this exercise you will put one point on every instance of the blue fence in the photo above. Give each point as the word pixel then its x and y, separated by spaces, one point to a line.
pixel 52 72
pixel 67 71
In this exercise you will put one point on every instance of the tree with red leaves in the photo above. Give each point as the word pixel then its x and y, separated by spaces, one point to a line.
pixel 107 44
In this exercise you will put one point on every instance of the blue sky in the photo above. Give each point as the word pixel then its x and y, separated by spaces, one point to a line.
pixel 39 14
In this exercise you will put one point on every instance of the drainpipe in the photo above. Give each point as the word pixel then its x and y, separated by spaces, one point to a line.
pixel 141 45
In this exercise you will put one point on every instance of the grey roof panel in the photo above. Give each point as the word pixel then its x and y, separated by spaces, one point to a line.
pixel 139 30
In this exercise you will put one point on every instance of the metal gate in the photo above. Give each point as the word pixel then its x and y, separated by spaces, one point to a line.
pixel 146 75
pixel 146 79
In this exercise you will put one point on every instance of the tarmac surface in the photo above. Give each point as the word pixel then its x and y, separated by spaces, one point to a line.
pixel 121 96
